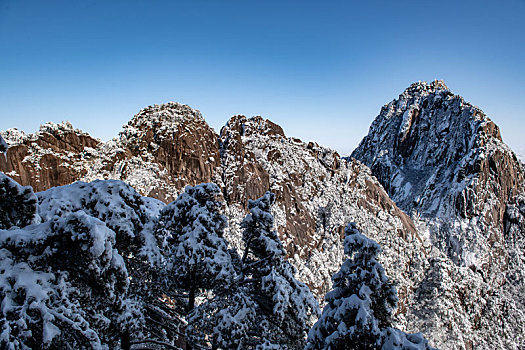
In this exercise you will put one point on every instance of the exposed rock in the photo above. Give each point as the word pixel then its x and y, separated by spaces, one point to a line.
pixel 245 178
pixel 47 158
pixel 431 150
pixel 457 257
pixel 317 195
pixel 160 151
pixel 443 159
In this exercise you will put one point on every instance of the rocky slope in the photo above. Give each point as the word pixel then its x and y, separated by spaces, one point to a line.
pixel 442 159
pixel 47 158
pixel 456 257
pixel 165 147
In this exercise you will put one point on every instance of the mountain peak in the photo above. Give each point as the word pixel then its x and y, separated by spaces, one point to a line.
pixel 429 146
pixel 423 86
pixel 167 115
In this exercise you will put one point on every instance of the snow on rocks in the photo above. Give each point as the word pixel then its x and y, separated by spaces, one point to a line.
pixel 3 147
pixel 427 149
pixel 443 161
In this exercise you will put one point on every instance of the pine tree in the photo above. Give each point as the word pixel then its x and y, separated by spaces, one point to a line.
pixel 63 286
pixel 191 230
pixel 285 306
pixel 18 204
pixel 266 307
pixel 226 321
pixel 358 311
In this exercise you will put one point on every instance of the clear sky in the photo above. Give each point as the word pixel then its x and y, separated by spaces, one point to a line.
pixel 322 70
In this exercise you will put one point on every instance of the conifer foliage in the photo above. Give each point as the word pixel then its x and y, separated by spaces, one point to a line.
pixel 191 231
pixel 63 284
pixel 265 307
pixel 358 310
pixel 285 305
pixel 18 204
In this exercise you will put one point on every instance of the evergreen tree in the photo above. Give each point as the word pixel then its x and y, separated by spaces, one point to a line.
pixel 359 309
pixel 227 320
pixel 191 231
pixel 18 204
pixel 266 307
pixel 285 306
pixel 63 286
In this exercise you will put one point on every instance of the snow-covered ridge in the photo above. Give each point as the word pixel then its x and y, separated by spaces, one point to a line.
pixel 15 137
pixel 442 160
pixel 160 118
pixel 450 272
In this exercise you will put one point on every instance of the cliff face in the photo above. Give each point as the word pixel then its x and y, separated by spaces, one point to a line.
pixel 317 193
pixel 160 151
pixel 432 151
pixel 443 160
pixel 47 158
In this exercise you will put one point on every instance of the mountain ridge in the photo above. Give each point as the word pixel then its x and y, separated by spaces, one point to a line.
pixel 448 271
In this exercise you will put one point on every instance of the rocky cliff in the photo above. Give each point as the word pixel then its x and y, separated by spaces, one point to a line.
pixel 452 234
pixel 48 158
pixel 443 160
pixel 163 148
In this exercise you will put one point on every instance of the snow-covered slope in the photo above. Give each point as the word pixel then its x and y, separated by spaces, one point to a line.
pixel 317 195
pixel 443 160
pixel 165 147
pixel 456 259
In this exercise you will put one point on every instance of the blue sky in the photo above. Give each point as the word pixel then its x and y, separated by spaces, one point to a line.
pixel 322 70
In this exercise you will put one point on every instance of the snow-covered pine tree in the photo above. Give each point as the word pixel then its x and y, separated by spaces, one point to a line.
pixel 227 320
pixel 359 309
pixel 190 231
pixel 18 204
pixel 63 286
pixel 266 307
pixel 284 305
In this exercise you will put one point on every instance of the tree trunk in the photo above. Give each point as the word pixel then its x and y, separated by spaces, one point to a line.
pixel 124 341
pixel 191 302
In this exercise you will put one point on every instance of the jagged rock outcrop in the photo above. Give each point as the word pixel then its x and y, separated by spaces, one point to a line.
pixel 437 154
pixel 442 159
pixel 452 235
pixel 47 158
pixel 163 148
pixel 160 151
pixel 317 194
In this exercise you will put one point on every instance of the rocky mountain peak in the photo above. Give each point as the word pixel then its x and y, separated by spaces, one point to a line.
pixel 429 145
pixel 163 116
pixel 423 86
pixel 158 122
pixel 442 160
pixel 249 126
pixel 45 159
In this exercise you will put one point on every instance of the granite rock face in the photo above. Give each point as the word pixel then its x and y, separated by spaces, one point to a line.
pixel 443 161
pixel 47 158
pixel 433 183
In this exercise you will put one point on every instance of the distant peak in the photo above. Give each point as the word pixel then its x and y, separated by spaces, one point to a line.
pixel 423 86
pixel 54 128
pixel 170 107
pixel 166 114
